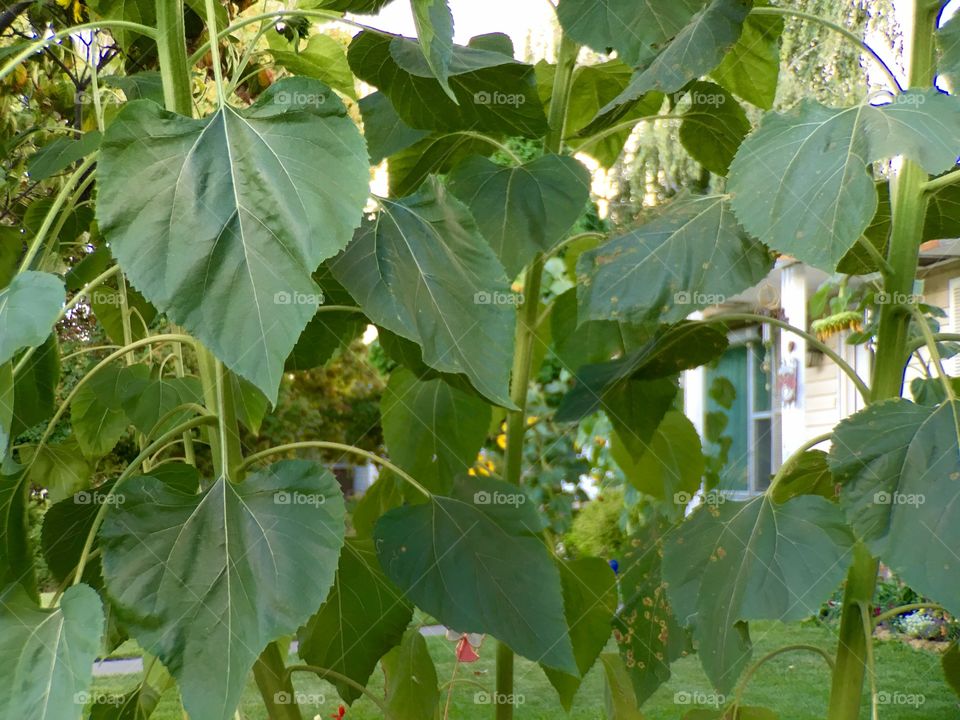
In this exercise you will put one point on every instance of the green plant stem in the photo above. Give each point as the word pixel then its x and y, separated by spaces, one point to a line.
pixel 54 211
pixel 787 465
pixel 273 678
pixel 931 342
pixel 838 29
pixel 908 202
pixel 931 186
pixel 211 9
pixel 327 674
pixel 751 671
pixel 526 336
pixel 93 371
pixel 811 340
pixel 323 445
pixel 124 476
pixel 489 140
pixel 172 53
pixel 903 610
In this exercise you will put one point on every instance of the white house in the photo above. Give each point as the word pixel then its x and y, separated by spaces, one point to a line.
pixel 787 392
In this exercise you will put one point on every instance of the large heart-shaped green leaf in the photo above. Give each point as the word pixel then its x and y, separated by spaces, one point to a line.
pixel 322 57
pixel 713 126
pixel 755 560
pixel 631 28
pixel 385 132
pixel 432 430
pixel 243 206
pixel 948 38
pixel 6 407
pixel 421 269
pixel 672 349
pixel 473 561
pixel 16 550
pixel 800 182
pixel 671 466
pixel 436 154
pixel 589 601
pixel 96 413
pixel 648 634
pixel 411 680
pixel 494 92
pixel 29 306
pixel 522 210
pixel 205 582
pixel 434 23
pixel 693 51
pixel 899 466
pixel 35 386
pixel 692 255
pixel 47 655
pixel 751 69
pixel 60 154
pixel 364 617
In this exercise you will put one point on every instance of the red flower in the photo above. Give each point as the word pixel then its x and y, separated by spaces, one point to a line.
pixel 338 715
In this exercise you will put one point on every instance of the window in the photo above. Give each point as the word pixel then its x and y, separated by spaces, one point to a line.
pixel 753 423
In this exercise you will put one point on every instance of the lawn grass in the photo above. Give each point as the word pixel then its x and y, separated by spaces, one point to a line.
pixel 796 685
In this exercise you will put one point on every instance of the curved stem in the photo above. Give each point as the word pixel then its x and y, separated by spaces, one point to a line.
pixel 839 361
pixel 327 674
pixel 125 475
pixel 625 125
pixel 487 139
pixel 276 15
pixel 903 610
pixel 567 242
pixel 65 34
pixel 200 410
pixel 799 647
pixel 54 212
pixel 93 371
pixel 786 466
pixel 72 303
pixel 931 343
pixel 322 445
pixel 838 29
pixel 340 308
pixel 211 9
pixel 934 184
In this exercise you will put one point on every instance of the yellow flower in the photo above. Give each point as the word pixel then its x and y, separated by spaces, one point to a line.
pixel 532 420
pixel 77 7
pixel 502 441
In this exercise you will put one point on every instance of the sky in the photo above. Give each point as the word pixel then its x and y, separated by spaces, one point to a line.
pixel 476 17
